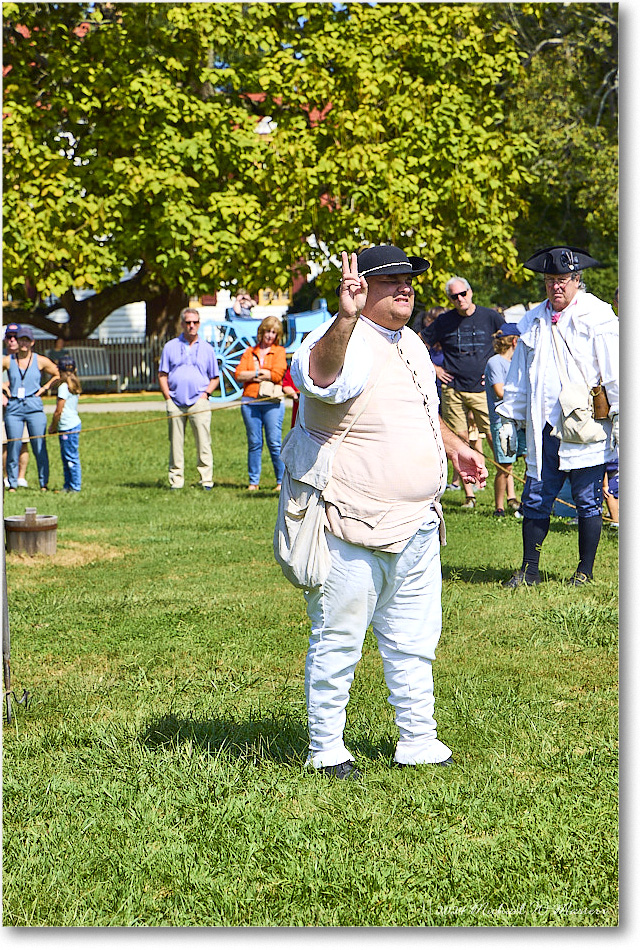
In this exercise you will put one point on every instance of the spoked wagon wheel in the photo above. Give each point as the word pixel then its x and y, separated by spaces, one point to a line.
pixel 228 351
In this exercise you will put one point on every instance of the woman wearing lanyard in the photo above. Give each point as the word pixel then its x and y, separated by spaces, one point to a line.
pixel 25 406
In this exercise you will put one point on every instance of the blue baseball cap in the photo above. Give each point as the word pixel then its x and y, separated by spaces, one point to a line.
pixel 509 329
pixel 67 364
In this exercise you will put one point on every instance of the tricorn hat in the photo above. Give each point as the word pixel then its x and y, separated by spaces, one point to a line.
pixel 387 259
pixel 560 259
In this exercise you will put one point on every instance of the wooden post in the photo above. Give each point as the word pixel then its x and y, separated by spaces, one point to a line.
pixel 31 533
pixel 6 640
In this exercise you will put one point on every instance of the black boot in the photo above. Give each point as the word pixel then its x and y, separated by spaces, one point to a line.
pixel 534 531
pixel 589 531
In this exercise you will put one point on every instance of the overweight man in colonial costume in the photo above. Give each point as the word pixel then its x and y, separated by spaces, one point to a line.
pixel 568 348
pixel 368 391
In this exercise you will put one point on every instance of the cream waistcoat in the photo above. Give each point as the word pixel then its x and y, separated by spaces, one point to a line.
pixel 390 470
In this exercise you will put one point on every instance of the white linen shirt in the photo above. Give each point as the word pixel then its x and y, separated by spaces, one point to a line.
pixel 354 374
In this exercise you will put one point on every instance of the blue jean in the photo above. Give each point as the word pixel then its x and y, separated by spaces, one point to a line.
pixel 258 416
pixel 70 458
pixel 500 457
pixel 586 484
pixel 36 422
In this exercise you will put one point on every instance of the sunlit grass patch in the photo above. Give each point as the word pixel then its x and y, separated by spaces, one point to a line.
pixel 157 776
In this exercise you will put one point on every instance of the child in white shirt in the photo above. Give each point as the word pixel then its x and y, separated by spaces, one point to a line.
pixel 66 422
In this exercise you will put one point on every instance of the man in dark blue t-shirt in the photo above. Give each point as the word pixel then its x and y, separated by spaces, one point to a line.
pixel 466 337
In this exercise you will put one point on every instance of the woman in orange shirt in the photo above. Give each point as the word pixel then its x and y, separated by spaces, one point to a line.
pixel 265 361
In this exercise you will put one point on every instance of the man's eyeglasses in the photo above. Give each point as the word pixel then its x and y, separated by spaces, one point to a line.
pixel 457 294
pixel 195 322
pixel 557 281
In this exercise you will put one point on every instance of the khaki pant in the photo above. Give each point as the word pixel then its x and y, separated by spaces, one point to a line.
pixel 454 406
pixel 200 416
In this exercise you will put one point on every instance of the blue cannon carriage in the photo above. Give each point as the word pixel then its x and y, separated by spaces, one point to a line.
pixel 232 336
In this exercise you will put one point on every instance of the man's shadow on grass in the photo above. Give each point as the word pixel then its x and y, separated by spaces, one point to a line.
pixel 145 483
pixel 491 575
pixel 282 739
pixel 473 575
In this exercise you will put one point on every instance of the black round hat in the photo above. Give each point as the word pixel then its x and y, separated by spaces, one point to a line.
pixel 385 259
pixel 560 259
pixel 388 259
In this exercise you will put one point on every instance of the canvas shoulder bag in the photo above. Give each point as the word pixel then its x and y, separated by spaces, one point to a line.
pixel 300 543
pixel 576 400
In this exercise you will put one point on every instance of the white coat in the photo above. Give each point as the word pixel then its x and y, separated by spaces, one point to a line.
pixel 590 329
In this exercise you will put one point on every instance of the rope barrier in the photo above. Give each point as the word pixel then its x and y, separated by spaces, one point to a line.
pixel 562 501
pixel 523 481
pixel 213 407
pixel 136 422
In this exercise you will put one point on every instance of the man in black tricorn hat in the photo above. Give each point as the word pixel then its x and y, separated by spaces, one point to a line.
pixel 568 348
pixel 366 376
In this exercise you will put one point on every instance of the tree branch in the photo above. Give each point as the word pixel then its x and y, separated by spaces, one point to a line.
pixel 87 314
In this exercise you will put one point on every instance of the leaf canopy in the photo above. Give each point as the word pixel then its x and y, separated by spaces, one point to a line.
pixel 130 137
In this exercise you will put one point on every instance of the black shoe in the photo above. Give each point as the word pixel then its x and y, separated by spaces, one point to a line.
pixel 410 765
pixel 499 513
pixel 345 770
pixel 520 578
pixel 579 578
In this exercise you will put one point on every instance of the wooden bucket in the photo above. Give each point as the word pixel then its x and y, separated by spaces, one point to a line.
pixel 31 533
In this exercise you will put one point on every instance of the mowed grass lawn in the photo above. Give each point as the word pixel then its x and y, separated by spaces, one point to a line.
pixel 157 775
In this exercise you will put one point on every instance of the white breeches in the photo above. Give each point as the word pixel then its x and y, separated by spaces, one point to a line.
pixel 400 595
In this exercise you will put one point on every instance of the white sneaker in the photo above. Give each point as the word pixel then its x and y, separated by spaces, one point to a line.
pixel 6 483
pixel 23 483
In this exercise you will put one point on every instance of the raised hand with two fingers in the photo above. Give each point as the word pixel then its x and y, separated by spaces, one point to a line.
pixel 353 290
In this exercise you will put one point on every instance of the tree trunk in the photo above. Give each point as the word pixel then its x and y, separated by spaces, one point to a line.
pixel 84 315
pixel 163 305
pixel 163 311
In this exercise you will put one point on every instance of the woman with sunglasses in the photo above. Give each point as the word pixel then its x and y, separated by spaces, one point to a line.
pixel 11 346
pixel 24 406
